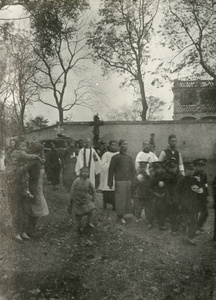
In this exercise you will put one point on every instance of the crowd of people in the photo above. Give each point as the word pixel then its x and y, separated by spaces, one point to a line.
pixel 165 191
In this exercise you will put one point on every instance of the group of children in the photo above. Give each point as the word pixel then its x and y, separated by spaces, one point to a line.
pixel 162 192
pixel 167 196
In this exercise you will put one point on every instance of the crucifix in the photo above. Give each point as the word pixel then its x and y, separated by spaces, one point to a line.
pixel 58 130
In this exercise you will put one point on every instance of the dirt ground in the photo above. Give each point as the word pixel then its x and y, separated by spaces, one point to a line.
pixel 109 262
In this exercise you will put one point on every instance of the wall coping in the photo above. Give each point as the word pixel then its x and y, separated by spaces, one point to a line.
pixel 84 123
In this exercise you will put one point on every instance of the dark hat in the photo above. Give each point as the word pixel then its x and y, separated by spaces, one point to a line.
pixel 189 165
pixel 200 162
pixel 157 164
pixel 143 163
pixel 172 162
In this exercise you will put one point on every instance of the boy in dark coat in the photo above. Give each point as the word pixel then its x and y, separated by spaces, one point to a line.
pixel 172 177
pixel 140 189
pixel 187 190
pixel 159 193
pixel 201 176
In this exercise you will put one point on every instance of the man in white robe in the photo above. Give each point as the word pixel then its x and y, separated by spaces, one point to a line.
pixel 108 194
pixel 88 157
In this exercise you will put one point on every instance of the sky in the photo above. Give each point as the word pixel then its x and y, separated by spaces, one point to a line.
pixel 114 97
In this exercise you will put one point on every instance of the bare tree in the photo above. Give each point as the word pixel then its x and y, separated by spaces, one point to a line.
pixel 18 83
pixel 133 112
pixel 68 53
pixel 190 27
pixel 121 40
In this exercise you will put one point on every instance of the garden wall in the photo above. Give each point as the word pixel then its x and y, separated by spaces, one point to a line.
pixel 195 138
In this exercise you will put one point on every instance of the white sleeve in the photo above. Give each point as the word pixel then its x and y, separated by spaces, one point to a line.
pixel 162 156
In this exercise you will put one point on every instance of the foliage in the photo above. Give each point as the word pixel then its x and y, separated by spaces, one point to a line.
pixel 121 40
pixel 54 22
pixel 190 29
pixel 36 123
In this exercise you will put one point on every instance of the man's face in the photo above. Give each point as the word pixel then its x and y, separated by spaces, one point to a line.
pixel 81 144
pixel 113 147
pixel 146 147
pixel 124 146
pixel 72 145
pixel 173 169
pixel 172 143
pixel 200 168
pixel 87 143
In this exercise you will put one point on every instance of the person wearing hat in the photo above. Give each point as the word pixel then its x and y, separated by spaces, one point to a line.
pixel 122 169
pixel 187 190
pixel 157 205
pixel 68 164
pixel 201 176
pixel 172 177
pixel 171 152
pixel 145 155
pixel 140 189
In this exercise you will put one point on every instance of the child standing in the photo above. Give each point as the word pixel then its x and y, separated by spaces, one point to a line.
pixel 172 177
pixel 201 176
pixel 140 189
pixel 82 198
pixel 159 195
pixel 187 190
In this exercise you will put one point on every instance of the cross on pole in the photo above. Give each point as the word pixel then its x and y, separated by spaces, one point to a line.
pixel 59 130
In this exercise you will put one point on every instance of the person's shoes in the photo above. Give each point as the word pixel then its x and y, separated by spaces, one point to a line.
pixel 18 238
pixel 214 238
pixel 191 242
pixel 113 208
pixel 122 220
pixel 35 235
pixel 138 220
pixel 90 225
pixel 24 236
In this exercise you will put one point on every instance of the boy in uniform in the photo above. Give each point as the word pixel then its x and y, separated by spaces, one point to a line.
pixel 172 177
pixel 201 176
pixel 158 190
pixel 140 189
pixel 187 190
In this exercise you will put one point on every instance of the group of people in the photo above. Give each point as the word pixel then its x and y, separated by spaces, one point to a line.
pixel 169 192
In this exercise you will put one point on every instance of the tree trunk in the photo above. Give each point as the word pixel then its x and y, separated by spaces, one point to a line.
pixel 143 97
pixel 61 115
pixel 22 125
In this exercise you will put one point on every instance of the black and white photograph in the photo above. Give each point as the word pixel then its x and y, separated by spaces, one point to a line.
pixel 107 150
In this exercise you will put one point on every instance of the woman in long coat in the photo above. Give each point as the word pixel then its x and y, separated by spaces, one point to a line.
pixel 36 173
